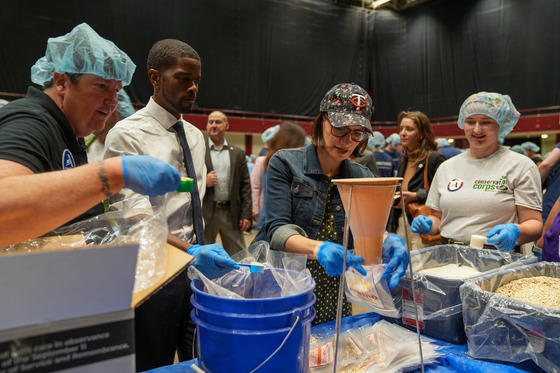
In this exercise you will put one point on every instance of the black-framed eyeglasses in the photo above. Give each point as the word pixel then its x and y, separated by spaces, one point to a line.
pixel 358 136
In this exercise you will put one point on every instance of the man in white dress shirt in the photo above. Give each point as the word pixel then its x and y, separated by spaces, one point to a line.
pixel 163 323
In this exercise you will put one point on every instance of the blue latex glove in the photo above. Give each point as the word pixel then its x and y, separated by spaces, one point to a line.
pixel 421 224
pixel 505 236
pixel 212 260
pixel 331 257
pixel 395 253
pixel 148 175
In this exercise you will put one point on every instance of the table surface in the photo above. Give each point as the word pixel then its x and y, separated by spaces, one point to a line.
pixel 456 358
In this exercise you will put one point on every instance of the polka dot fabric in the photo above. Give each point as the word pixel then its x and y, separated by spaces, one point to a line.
pixel 326 288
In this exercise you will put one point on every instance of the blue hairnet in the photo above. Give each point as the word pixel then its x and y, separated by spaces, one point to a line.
pixel 394 139
pixel 270 133
pixel 83 51
pixel 531 146
pixel 376 140
pixel 441 142
pixel 494 105
pixel 125 105
pixel 518 149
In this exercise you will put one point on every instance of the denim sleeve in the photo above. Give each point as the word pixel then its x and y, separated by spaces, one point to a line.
pixel 279 224
pixel 282 234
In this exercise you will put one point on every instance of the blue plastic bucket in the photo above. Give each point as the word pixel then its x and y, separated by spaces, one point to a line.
pixel 237 335
pixel 255 321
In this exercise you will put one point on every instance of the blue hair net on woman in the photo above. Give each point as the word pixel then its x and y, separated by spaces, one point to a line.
pixel 531 146
pixel 270 133
pixel 376 140
pixel 494 105
pixel 83 51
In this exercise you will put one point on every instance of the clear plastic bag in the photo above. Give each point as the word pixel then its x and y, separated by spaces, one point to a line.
pixel 370 291
pixel 148 227
pixel 506 329
pixel 438 302
pixel 379 347
pixel 284 274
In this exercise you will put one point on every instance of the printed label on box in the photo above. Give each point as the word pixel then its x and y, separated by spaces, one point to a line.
pixel 409 316
pixel 67 349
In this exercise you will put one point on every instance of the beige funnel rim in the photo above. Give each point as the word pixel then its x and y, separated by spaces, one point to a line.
pixel 369 181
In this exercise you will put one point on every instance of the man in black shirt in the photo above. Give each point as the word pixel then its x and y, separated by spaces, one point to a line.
pixel 45 181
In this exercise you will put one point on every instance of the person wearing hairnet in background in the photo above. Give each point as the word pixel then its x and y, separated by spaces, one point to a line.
pixel 383 160
pixel 518 149
pixel 44 179
pixel 95 143
pixel 394 149
pixel 488 190
pixel 266 136
pixel 445 148
pixel 532 151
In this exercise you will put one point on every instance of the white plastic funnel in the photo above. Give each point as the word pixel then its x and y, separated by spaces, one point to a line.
pixel 372 199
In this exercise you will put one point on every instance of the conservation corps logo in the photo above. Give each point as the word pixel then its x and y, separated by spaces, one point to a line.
pixel 454 185
pixel 67 160
pixel 491 185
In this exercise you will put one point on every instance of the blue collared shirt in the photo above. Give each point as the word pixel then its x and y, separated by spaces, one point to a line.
pixel 222 166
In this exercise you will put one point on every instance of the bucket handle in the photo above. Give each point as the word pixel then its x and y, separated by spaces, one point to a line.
pixel 296 316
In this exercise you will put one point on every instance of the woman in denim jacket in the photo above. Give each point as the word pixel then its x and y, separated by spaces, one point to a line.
pixel 304 211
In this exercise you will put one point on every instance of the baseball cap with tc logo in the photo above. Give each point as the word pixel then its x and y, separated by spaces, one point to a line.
pixel 348 104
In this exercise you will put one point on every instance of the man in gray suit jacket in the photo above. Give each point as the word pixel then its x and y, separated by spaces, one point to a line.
pixel 227 204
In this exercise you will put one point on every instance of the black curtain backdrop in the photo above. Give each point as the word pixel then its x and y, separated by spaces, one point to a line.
pixel 281 56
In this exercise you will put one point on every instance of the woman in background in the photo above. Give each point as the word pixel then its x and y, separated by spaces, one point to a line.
pixel 418 141
pixel 289 135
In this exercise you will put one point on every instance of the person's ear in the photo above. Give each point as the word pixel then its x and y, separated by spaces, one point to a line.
pixel 155 78
pixel 60 83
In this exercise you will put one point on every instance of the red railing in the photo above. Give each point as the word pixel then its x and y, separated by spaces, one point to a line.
pixel 537 120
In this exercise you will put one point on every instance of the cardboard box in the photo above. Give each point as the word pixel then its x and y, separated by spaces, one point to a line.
pixel 73 309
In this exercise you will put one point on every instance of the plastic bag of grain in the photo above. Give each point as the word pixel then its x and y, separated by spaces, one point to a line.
pixel 502 328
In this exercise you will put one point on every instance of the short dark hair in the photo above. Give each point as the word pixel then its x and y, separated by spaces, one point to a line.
pixel 164 53
pixel 318 140
pixel 73 79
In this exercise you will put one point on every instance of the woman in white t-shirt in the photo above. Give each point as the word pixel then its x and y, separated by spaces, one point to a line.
pixel 488 190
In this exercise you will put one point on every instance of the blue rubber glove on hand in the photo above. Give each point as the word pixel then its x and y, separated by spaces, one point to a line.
pixel 148 175
pixel 395 253
pixel 505 236
pixel 212 260
pixel 421 224
pixel 331 257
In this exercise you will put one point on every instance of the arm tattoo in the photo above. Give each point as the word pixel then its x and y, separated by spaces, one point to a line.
pixel 104 179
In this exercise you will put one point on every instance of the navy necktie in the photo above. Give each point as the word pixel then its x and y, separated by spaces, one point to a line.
pixel 196 205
